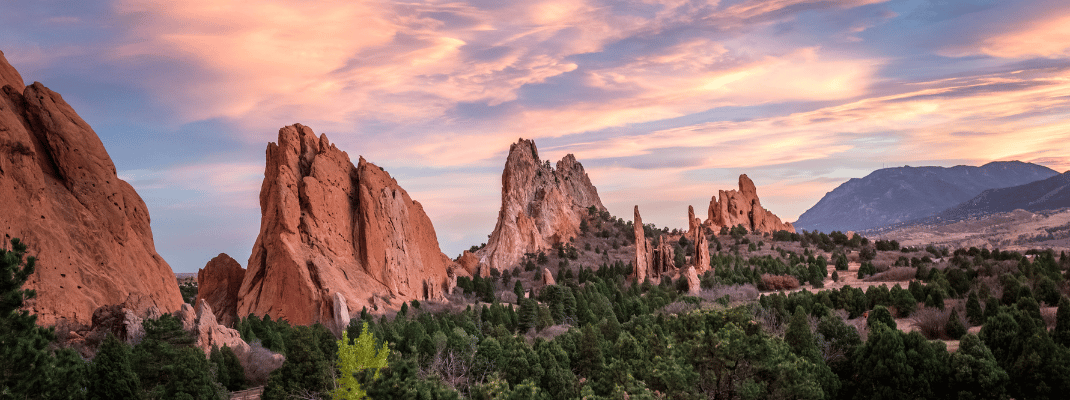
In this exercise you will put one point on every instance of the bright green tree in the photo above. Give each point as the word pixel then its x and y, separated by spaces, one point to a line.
pixel 355 356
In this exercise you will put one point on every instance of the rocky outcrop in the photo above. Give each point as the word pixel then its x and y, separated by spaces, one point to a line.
pixel 331 227
pixel 61 195
pixel 547 277
pixel 469 262
pixel 341 313
pixel 731 208
pixel 207 333
pixel 701 259
pixel 643 252
pixel 693 284
pixel 541 205
pixel 662 260
pixel 218 283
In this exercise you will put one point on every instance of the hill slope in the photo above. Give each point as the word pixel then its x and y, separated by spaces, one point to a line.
pixel 892 195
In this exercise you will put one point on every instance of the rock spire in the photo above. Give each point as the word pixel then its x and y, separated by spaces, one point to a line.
pixel 541 205
pixel 742 207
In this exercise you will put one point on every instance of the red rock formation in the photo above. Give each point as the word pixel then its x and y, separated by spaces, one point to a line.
pixel 331 227
pixel 201 323
pixel 643 252
pixel 693 284
pixel 218 283
pixel 662 260
pixel 540 205
pixel 88 229
pixel 742 207
pixel 547 277
pixel 701 259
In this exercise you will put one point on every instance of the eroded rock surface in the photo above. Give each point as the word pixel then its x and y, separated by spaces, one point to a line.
pixel 541 205
pixel 328 227
pixel 742 207
pixel 643 252
pixel 218 283
pixel 61 195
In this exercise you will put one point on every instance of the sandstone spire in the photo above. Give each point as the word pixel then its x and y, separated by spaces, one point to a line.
pixel 642 249
pixel 541 205
pixel 329 227
pixel 88 229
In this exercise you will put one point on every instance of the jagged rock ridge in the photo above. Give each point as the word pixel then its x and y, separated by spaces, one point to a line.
pixel 893 195
pixel 61 194
pixel 331 227
pixel 731 208
pixel 541 206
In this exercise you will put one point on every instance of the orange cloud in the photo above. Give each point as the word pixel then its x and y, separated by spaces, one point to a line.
pixel 1048 38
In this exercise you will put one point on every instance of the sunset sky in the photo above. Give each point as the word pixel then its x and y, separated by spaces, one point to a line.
pixel 664 102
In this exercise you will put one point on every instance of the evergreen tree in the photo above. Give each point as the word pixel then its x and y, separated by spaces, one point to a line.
pixel 904 301
pixel 954 327
pixel 973 310
pixel 1061 334
pixel 27 366
pixel 111 376
pixel 528 315
pixel 880 315
pixel 799 336
pixel 974 373
pixel 518 289
pixel 306 370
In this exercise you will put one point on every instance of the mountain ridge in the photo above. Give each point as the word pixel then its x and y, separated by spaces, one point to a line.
pixel 893 195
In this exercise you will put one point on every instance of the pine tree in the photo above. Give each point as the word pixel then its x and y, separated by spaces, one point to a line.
pixel 974 313
pixel 954 327
pixel 527 316
pixel 25 360
pixel 799 336
pixel 518 289
pixel 880 315
pixel 1061 334
pixel 111 375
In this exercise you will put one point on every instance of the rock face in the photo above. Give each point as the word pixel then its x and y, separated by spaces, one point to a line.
pixel 331 227
pixel 207 332
pixel 731 208
pixel 541 205
pixel 60 193
pixel 218 283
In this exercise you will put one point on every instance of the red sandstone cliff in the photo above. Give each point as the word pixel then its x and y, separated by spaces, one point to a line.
pixel 61 195
pixel 743 207
pixel 329 227
pixel 541 205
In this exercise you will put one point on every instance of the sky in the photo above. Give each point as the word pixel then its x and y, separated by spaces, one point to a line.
pixel 664 102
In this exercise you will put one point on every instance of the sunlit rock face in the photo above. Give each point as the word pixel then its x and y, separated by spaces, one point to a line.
pixel 541 205
pixel 742 207
pixel 329 226
pixel 61 195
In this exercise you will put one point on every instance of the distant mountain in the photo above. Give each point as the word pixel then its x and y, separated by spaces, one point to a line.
pixel 1047 194
pixel 892 195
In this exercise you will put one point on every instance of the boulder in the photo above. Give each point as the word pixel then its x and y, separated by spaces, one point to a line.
pixel 62 196
pixel 541 205
pixel 469 262
pixel 693 284
pixel 218 283
pixel 731 208
pixel 547 277
pixel 328 227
